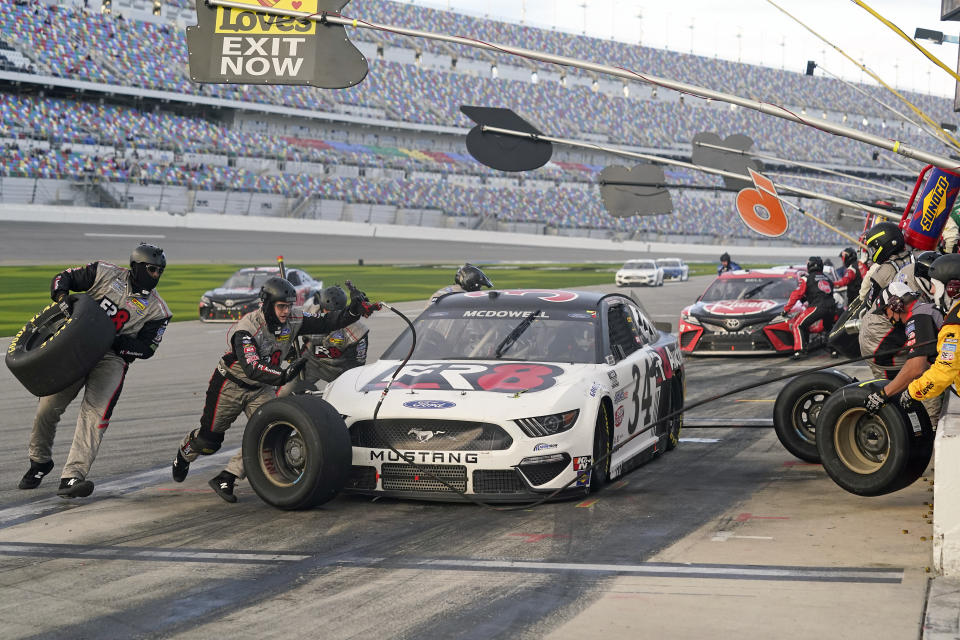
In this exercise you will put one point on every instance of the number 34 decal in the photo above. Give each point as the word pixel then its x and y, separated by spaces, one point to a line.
pixel 650 378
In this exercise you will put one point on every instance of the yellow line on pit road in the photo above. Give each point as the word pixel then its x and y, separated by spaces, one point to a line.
pixel 588 503
pixel 758 400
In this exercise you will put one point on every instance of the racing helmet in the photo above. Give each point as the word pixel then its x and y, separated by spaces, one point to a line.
pixel 725 257
pixel 849 257
pixel 470 278
pixel 921 270
pixel 884 240
pixel 142 257
pixel 895 296
pixel 814 264
pixel 332 298
pixel 275 290
pixel 945 272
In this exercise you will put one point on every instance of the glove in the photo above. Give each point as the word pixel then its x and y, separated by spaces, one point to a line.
pixel 907 403
pixel 875 401
pixel 294 370
pixel 360 305
pixel 63 299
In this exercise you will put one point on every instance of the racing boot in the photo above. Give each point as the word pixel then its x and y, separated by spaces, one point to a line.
pixel 799 355
pixel 181 466
pixel 31 479
pixel 74 488
pixel 223 485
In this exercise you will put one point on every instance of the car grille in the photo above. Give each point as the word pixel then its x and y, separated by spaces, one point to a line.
pixel 734 342
pixel 429 435
pixel 497 481
pixel 362 478
pixel 407 477
pixel 543 473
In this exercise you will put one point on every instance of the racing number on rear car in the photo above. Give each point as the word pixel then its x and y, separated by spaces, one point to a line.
pixel 119 317
pixel 635 418
pixel 642 402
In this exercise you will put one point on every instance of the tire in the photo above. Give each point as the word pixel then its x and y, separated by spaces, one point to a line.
pixel 869 455
pixel 676 424
pixel 297 452
pixel 798 406
pixel 54 350
pixel 600 473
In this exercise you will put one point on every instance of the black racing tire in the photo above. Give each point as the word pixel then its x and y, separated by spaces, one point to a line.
pixel 297 452
pixel 600 471
pixel 868 454
pixel 676 404
pixel 54 350
pixel 798 406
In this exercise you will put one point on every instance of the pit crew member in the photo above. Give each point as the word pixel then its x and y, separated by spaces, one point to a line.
pixel 140 316
pixel 853 277
pixel 817 290
pixel 331 354
pixel 249 372
pixel 726 264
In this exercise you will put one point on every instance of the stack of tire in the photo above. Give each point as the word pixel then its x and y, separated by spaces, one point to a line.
pixel 820 417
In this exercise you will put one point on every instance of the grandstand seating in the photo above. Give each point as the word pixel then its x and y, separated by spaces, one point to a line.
pixel 194 159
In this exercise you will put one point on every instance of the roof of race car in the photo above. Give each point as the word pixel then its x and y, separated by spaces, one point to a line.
pixel 521 299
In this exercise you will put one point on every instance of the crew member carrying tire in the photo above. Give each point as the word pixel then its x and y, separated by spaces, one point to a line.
pixel 140 316
pixel 247 375
pixel 331 354
pixel 817 290
pixel 921 321
pixel 468 278
pixel 887 250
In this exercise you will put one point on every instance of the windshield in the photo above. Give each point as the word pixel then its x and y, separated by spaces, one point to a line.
pixel 747 288
pixel 551 337
pixel 669 262
pixel 248 280
pixel 640 264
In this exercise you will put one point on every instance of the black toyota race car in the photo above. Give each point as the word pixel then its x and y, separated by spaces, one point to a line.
pixel 239 295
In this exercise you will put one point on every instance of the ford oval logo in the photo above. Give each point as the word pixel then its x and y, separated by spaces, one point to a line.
pixel 429 404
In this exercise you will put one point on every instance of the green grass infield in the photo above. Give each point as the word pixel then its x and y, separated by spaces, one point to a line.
pixel 24 290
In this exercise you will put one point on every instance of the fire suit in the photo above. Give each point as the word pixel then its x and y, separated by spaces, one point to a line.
pixel 248 373
pixel 330 354
pixel 817 290
pixel 945 369
pixel 921 327
pixel 852 280
pixel 877 334
pixel 140 322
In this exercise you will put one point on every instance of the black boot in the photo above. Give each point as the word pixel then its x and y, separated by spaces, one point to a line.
pixel 223 485
pixel 31 479
pixel 74 488
pixel 180 467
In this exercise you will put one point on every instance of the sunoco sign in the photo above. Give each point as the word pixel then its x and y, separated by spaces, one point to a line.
pixel 248 46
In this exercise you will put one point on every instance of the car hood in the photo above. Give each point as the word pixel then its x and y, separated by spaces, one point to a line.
pixel 757 309
pixel 636 272
pixel 445 388
pixel 221 293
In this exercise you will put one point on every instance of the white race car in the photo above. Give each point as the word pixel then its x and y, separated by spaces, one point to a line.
pixel 646 272
pixel 513 394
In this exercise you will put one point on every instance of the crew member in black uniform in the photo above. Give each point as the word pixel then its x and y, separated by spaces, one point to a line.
pixel 853 278
pixel 817 290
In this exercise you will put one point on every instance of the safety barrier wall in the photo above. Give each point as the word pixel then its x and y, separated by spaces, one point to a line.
pixel 121 217
pixel 946 489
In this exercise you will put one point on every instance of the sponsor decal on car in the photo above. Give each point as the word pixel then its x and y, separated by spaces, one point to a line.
pixel 613 378
pixel 429 404
pixel 622 395
pixel 543 446
pixel 594 388
pixel 581 462
pixel 547 295
pixel 489 313
pixel 506 378
pixel 425 457
pixel 618 416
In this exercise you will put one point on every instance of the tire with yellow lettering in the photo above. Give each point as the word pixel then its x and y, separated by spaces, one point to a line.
pixel 297 452
pixel 55 349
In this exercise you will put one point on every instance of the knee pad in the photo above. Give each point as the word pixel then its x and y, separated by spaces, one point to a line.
pixel 204 443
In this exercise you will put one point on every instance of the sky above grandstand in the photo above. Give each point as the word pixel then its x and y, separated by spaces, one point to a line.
pixel 753 31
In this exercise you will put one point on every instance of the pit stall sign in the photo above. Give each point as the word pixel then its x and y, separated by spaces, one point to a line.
pixel 244 46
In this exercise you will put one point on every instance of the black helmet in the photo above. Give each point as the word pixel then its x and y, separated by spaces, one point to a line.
pixel 814 264
pixel 140 258
pixel 332 298
pixel 275 290
pixel 849 257
pixel 470 278
pixel 725 257
pixel 923 262
pixel 883 241
pixel 946 269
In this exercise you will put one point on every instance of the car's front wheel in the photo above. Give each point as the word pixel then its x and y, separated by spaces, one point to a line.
pixel 600 471
pixel 296 452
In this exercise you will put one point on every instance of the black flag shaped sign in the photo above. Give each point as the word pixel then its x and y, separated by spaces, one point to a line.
pixel 247 46
pixel 640 191
pixel 726 160
pixel 501 151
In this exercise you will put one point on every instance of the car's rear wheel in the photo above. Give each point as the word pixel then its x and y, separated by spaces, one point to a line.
pixel 600 471
pixel 798 408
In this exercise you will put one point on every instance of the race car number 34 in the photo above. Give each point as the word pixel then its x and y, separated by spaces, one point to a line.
pixel 507 377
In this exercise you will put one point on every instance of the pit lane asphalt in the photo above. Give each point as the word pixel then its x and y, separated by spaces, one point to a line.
pixel 728 524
